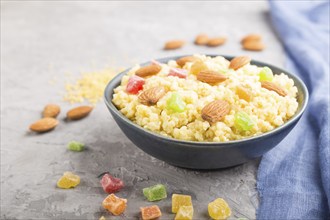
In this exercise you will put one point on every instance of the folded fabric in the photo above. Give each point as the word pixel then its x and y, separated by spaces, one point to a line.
pixel 294 177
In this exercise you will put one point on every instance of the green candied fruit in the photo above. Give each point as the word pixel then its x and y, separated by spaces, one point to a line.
pixel 76 146
pixel 155 193
pixel 243 121
pixel 266 74
pixel 175 103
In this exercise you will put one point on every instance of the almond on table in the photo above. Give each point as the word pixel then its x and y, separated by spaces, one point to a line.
pixel 79 112
pixel 43 125
pixel 201 39
pixel 251 37
pixel 174 44
pixel 51 111
pixel 217 41
pixel 254 46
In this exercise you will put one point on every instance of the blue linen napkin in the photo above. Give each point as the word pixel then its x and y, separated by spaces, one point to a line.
pixel 294 177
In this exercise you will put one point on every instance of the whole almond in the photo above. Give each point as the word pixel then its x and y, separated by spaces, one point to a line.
pixel 44 124
pixel 152 95
pixel 183 60
pixel 251 37
pixel 273 87
pixel 215 111
pixel 244 93
pixel 201 39
pixel 51 111
pixel 174 44
pixel 253 45
pixel 148 70
pixel 217 41
pixel 79 112
pixel 211 77
pixel 239 62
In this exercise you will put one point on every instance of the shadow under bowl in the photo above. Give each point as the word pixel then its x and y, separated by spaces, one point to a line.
pixel 205 155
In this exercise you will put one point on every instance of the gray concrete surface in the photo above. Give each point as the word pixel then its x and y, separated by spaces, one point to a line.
pixel 41 41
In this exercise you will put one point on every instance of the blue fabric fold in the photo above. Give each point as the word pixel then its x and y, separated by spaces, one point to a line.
pixel 294 177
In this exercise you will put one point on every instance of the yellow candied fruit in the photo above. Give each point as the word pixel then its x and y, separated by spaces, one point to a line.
pixel 185 213
pixel 102 218
pixel 68 180
pixel 180 200
pixel 219 209
pixel 197 67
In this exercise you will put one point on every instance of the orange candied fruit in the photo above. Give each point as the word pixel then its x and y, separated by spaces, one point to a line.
pixel 150 212
pixel 114 204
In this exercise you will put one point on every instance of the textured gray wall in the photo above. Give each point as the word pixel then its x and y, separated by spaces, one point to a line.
pixel 41 41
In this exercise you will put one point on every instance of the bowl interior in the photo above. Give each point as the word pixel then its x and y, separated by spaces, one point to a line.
pixel 302 99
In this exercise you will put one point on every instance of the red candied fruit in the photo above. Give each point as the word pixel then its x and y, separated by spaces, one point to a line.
pixel 181 73
pixel 135 84
pixel 111 184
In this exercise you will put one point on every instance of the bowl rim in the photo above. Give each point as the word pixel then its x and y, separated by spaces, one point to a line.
pixel 109 89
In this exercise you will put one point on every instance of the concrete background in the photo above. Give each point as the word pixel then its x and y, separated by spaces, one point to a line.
pixel 41 41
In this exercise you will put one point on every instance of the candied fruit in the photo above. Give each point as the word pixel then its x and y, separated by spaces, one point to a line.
pixel 154 193
pixel 150 212
pixel 175 103
pixel 76 146
pixel 266 74
pixel 68 180
pixel 180 200
pixel 185 213
pixel 198 66
pixel 114 204
pixel 243 121
pixel 244 93
pixel 219 209
pixel 111 184
pixel 181 73
pixel 135 84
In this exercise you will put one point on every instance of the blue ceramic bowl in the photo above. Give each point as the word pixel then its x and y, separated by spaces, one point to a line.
pixel 205 155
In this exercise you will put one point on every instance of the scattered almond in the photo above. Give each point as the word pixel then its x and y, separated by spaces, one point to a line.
pixel 217 41
pixel 152 95
pixel 44 124
pixel 148 70
pixel 201 39
pixel 183 60
pixel 273 87
pixel 215 111
pixel 251 37
pixel 244 93
pixel 79 112
pixel 51 111
pixel 253 45
pixel 174 44
pixel 239 62
pixel 211 77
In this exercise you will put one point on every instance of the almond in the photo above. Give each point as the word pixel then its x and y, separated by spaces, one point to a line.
pixel 183 60
pixel 148 70
pixel 253 45
pixel 152 95
pixel 273 87
pixel 51 111
pixel 211 77
pixel 215 111
pixel 239 62
pixel 217 41
pixel 201 39
pixel 174 44
pixel 79 112
pixel 43 125
pixel 251 37
pixel 244 93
